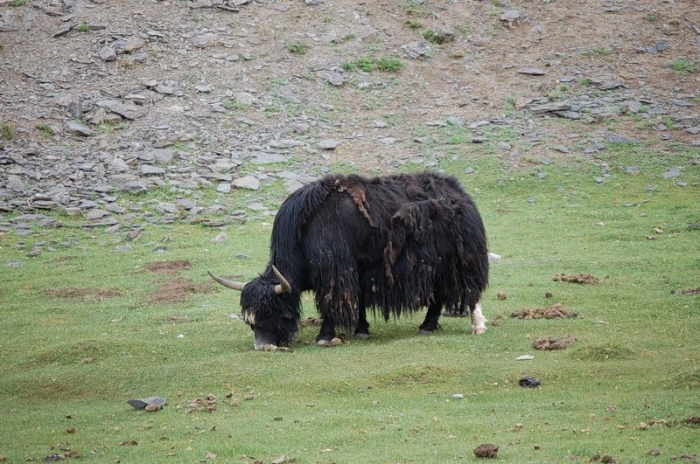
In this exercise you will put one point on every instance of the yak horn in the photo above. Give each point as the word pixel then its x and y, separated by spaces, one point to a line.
pixel 283 286
pixel 228 283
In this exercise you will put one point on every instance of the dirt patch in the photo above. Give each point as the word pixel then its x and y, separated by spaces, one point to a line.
pixel 553 343
pixel 83 294
pixel 576 278
pixel 555 311
pixel 168 266
pixel 176 291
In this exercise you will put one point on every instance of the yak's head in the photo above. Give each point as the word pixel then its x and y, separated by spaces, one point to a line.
pixel 269 307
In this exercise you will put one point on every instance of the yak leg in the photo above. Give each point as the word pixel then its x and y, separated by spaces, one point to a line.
pixel 327 332
pixel 430 324
pixel 362 328
pixel 478 319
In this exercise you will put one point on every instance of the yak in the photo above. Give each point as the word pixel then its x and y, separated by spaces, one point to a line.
pixel 391 244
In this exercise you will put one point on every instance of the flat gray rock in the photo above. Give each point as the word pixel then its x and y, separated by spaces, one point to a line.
pixel 75 127
pixel 247 182
pixel 532 71
pixel 142 403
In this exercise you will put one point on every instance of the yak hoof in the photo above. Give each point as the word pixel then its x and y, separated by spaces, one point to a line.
pixel 478 330
pixel 361 336
pixel 323 342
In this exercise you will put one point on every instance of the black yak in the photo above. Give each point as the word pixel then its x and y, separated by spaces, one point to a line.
pixel 391 244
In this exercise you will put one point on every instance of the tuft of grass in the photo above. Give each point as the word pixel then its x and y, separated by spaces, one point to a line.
pixel 683 66
pixel 415 8
pixel 413 23
pixel 7 131
pixel 597 52
pixel 389 64
pixel 46 129
pixel 434 37
pixel 231 105
pixel 509 103
pixel 17 2
pixel 298 48
pixel 82 28
pixel 368 64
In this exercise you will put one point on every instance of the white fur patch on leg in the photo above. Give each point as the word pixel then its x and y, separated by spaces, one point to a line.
pixel 478 320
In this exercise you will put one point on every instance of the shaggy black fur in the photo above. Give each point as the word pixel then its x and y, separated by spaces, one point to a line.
pixel 392 244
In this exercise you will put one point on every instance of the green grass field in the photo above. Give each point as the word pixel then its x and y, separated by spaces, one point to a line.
pixel 81 333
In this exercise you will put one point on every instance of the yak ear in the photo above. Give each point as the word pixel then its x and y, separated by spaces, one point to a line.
pixel 283 286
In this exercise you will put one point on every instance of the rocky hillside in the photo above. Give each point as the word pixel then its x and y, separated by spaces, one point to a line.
pixel 101 99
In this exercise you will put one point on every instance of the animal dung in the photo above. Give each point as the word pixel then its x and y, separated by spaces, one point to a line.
pixel 550 312
pixel 208 404
pixel 582 278
pixel 553 343
pixel 487 450
pixel 502 295
pixel 529 382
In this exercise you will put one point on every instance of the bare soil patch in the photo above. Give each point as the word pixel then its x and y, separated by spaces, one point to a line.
pixel 176 291
pixel 83 294
pixel 168 266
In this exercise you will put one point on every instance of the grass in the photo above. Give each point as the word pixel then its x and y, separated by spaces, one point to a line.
pixel 597 52
pixel 436 38
pixel 298 48
pixel 7 131
pixel 45 129
pixel 81 335
pixel 231 105
pixel 369 64
pixel 683 66
pixel 82 28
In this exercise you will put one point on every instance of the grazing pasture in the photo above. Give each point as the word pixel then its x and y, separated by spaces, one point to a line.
pixel 86 328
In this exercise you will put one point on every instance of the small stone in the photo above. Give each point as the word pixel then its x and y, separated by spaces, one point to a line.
pixel 510 16
pixel 107 53
pixel 202 41
pixel 328 144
